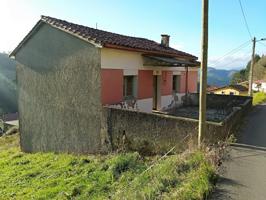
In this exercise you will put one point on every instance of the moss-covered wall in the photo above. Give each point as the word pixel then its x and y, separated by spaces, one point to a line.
pixel 147 133
pixel 59 93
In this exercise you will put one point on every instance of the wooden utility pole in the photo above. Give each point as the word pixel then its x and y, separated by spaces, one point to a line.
pixel 250 92
pixel 203 71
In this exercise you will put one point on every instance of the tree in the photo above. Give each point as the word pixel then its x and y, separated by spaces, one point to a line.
pixel 238 77
pixel 260 69
pixel 262 61
pixel 243 74
pixel 257 58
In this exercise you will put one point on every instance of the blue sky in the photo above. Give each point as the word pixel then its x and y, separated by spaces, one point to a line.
pixel 148 18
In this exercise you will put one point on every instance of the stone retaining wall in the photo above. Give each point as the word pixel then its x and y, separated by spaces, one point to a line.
pixel 151 133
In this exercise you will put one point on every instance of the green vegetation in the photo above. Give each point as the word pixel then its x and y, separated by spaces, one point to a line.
pixel 259 71
pixel 118 176
pixel 239 77
pixel 258 98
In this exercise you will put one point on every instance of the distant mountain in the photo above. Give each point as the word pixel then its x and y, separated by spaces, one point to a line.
pixel 219 77
pixel 8 89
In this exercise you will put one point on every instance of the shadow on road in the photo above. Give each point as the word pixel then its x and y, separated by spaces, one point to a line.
pixel 253 130
pixel 244 177
pixel 222 193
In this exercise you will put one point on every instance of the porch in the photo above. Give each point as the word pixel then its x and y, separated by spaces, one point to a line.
pixel 159 84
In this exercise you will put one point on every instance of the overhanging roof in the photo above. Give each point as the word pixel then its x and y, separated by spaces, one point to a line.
pixel 151 60
pixel 106 39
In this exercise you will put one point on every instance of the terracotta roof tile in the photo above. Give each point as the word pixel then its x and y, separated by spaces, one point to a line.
pixel 211 88
pixel 106 38
pixel 237 87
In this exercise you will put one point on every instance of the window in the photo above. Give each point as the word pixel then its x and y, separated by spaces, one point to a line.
pixel 176 83
pixel 231 93
pixel 129 86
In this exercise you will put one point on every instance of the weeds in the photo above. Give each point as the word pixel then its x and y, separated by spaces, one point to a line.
pixel 258 98
pixel 117 176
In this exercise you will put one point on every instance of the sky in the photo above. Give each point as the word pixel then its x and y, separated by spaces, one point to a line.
pixel 181 19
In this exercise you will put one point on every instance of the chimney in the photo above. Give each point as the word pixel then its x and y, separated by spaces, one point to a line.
pixel 165 40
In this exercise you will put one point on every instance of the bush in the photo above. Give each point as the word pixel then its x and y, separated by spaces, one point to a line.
pixel 259 98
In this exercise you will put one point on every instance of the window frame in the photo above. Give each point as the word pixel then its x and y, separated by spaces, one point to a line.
pixel 176 82
pixel 129 81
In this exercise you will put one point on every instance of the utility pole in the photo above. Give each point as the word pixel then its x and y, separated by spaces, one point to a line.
pixel 250 92
pixel 203 71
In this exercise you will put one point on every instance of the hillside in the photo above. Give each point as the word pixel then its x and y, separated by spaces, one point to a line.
pixel 219 77
pixel 259 71
pixel 8 93
pixel 113 176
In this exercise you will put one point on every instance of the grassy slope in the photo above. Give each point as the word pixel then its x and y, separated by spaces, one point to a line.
pixel 119 176
pixel 259 97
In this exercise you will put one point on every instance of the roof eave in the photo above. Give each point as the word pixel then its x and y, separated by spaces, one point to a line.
pixel 111 46
pixel 37 25
pixel 152 60
pixel 96 44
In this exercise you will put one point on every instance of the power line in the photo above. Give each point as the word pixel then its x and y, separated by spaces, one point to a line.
pixel 231 52
pixel 245 19
pixel 261 42
pixel 247 53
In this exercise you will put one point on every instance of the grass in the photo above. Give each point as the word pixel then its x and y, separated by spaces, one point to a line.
pixel 258 98
pixel 118 176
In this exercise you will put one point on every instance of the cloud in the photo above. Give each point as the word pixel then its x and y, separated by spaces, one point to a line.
pixel 235 61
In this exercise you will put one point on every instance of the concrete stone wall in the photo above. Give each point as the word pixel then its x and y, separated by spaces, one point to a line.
pixel 59 93
pixel 151 133
pixel 147 133
pixel 215 100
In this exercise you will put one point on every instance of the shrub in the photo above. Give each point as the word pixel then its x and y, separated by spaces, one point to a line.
pixel 259 98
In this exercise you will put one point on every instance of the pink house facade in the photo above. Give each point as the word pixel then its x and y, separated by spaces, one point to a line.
pixel 135 73
pixel 126 76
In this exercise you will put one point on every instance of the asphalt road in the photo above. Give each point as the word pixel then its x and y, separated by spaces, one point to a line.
pixel 244 172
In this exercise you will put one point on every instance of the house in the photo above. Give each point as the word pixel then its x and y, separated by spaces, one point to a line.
pixel 210 88
pixel 66 72
pixel 259 86
pixel 230 90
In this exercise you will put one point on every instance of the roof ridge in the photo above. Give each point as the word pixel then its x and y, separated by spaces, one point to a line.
pixel 102 38
pixel 43 17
